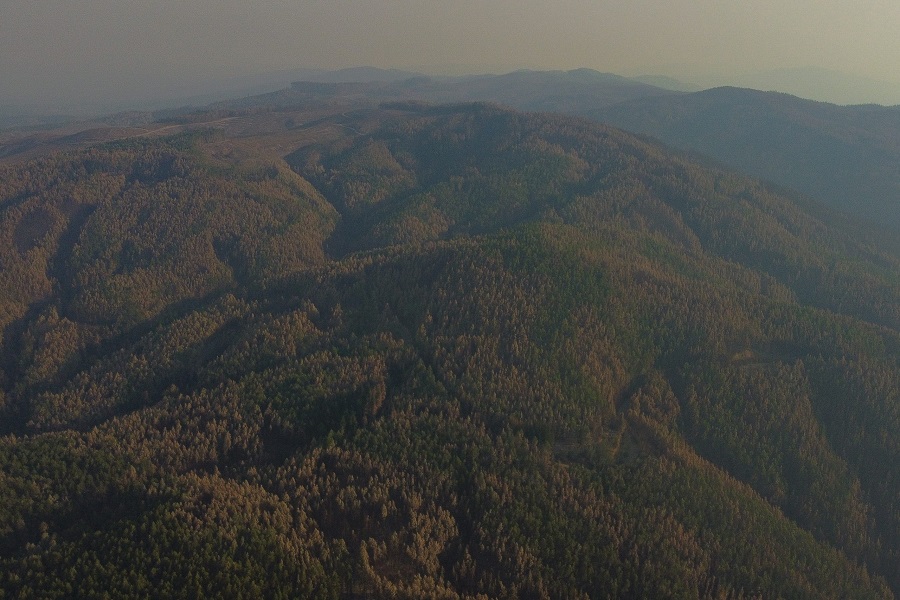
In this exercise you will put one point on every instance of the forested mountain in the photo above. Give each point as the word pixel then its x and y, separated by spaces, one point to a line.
pixel 442 352
pixel 846 156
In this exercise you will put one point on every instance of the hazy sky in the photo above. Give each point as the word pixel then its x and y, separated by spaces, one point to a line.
pixel 79 49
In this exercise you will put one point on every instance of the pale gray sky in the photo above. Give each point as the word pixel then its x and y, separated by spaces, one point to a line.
pixel 77 50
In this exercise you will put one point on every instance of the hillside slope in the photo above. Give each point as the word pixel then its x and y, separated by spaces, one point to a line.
pixel 441 352
pixel 846 156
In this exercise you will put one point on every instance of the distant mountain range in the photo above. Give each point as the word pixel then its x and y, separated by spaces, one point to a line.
pixel 499 88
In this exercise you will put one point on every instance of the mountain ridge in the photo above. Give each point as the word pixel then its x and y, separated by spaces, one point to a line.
pixel 844 156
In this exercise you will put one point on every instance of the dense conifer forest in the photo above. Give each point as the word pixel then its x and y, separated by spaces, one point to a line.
pixel 446 352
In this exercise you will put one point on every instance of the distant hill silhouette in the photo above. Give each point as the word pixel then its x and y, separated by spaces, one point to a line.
pixel 668 83
pixel 574 92
pixel 361 74
pixel 846 156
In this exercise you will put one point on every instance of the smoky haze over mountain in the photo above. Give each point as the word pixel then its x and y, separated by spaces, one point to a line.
pixel 100 54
